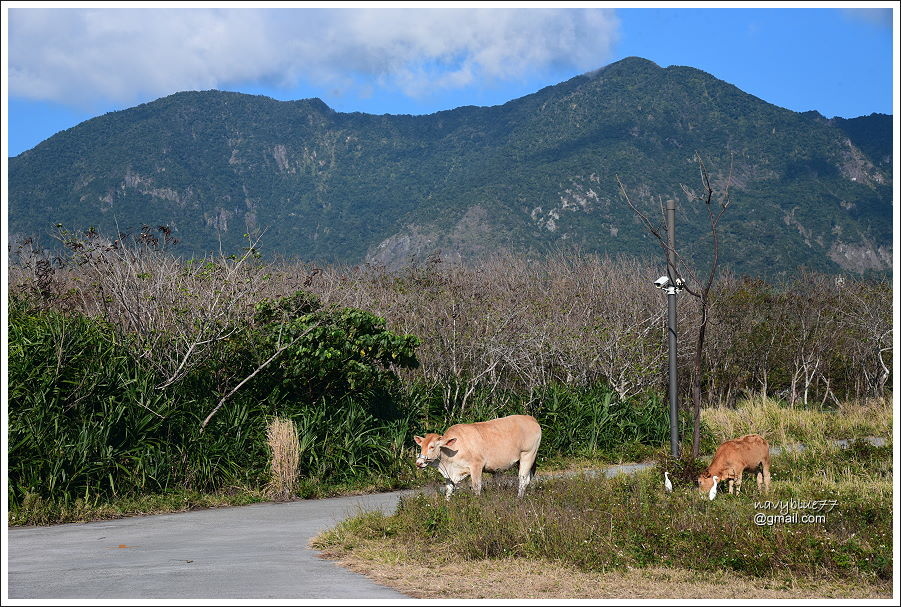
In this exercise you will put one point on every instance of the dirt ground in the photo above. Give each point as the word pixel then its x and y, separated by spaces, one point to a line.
pixel 522 579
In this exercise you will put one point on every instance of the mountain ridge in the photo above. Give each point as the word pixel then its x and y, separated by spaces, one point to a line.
pixel 531 175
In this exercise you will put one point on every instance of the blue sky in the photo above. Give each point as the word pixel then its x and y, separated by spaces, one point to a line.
pixel 66 65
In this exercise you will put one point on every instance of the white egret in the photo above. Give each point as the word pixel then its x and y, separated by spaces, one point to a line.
pixel 712 493
pixel 666 482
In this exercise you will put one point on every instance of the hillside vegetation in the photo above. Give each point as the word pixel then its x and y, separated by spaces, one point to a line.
pixel 528 177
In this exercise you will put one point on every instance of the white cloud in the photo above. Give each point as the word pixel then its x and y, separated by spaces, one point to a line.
pixel 80 56
pixel 877 16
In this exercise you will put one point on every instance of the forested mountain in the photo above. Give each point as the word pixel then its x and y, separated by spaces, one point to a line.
pixel 533 176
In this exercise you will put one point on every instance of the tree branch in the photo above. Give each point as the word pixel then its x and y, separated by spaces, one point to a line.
pixel 252 375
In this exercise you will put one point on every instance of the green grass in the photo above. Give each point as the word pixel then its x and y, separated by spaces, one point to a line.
pixel 35 510
pixel 599 524
pixel 625 453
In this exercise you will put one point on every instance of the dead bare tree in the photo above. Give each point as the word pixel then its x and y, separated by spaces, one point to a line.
pixel 177 310
pixel 695 286
pixel 604 323
pixel 865 315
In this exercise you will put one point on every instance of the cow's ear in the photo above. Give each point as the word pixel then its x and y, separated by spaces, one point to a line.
pixel 418 439
pixel 450 442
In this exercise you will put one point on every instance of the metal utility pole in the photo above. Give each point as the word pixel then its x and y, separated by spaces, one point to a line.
pixel 673 287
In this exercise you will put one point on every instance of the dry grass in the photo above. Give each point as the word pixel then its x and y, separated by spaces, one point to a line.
pixel 387 564
pixel 285 458
pixel 781 424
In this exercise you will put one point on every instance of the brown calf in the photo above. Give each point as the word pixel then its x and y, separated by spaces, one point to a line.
pixel 735 456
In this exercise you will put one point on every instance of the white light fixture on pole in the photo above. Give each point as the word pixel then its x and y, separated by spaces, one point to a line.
pixel 672 285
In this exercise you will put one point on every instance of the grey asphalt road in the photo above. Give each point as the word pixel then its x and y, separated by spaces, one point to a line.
pixel 249 552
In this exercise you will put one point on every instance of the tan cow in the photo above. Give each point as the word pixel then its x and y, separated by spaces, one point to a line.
pixel 468 449
pixel 735 456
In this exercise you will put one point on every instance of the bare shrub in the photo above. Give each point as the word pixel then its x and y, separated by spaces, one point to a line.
pixel 177 309
pixel 865 318
pixel 507 323
pixel 33 271
pixel 815 340
pixel 504 326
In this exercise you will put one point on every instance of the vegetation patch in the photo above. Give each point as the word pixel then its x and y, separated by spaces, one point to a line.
pixel 36 510
pixel 600 525
pixel 134 372
pixel 387 563
pixel 784 424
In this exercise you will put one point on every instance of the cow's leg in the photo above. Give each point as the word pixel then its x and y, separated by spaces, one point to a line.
pixel 766 475
pixel 475 474
pixel 737 474
pixel 454 477
pixel 734 477
pixel 759 480
pixel 526 469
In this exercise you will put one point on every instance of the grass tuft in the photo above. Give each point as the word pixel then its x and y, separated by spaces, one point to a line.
pixel 37 510
pixel 284 450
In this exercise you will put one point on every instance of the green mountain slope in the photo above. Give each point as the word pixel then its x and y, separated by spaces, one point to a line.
pixel 531 176
pixel 872 134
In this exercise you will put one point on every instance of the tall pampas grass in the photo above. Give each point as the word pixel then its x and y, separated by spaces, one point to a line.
pixel 284 458
pixel 783 424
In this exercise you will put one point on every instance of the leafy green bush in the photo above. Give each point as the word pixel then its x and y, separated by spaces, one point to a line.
pixel 320 352
pixel 84 418
pixel 576 421
pixel 88 422
pixel 586 421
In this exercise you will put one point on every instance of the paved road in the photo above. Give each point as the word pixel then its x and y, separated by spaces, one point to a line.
pixel 251 552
